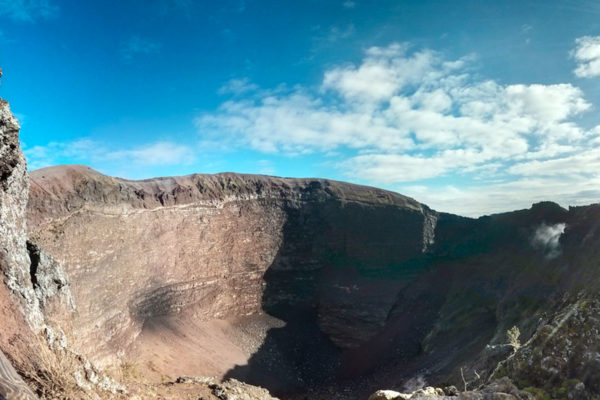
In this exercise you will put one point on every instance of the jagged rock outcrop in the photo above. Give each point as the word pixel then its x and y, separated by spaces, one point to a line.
pixel 499 389
pixel 49 279
pixel 14 185
pixel 14 260
pixel 233 389
pixel 561 357
pixel 34 282
pixel 33 285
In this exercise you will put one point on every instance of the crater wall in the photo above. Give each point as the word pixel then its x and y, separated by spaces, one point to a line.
pixel 223 247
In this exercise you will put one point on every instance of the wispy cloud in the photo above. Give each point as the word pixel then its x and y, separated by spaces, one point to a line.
pixel 526 31
pixel 51 154
pixel 493 197
pixel 93 152
pixel 407 116
pixel 339 33
pixel 587 56
pixel 265 167
pixel 159 153
pixel 28 10
pixel 238 87
pixel 137 45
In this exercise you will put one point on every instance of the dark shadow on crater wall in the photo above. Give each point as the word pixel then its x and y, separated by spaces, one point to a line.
pixel 339 263
pixel 356 273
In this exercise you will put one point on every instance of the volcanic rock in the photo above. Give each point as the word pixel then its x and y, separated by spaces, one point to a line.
pixel 17 298
pixel 499 389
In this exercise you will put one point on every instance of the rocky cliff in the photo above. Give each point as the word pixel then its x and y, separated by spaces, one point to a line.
pixel 17 299
pixel 34 285
pixel 14 185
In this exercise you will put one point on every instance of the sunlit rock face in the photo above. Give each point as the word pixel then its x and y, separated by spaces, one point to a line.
pixel 25 289
pixel 17 298
pixel 14 186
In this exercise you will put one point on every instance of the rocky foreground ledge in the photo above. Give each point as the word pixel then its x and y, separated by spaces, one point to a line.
pixel 500 389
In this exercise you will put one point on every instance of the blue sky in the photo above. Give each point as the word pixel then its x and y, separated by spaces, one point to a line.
pixel 469 106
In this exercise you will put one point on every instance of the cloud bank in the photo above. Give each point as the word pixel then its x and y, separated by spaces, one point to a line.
pixel 91 151
pixel 400 117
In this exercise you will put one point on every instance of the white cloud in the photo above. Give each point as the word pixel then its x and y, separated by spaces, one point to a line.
pixel 384 72
pixel 137 45
pixel 436 100
pixel 94 152
pixel 28 10
pixel 406 116
pixel 494 197
pixel 587 56
pixel 237 87
pixel 582 163
pixel 393 168
pixel 265 167
pixel 339 33
pixel 53 152
pixel 159 153
pixel 552 103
